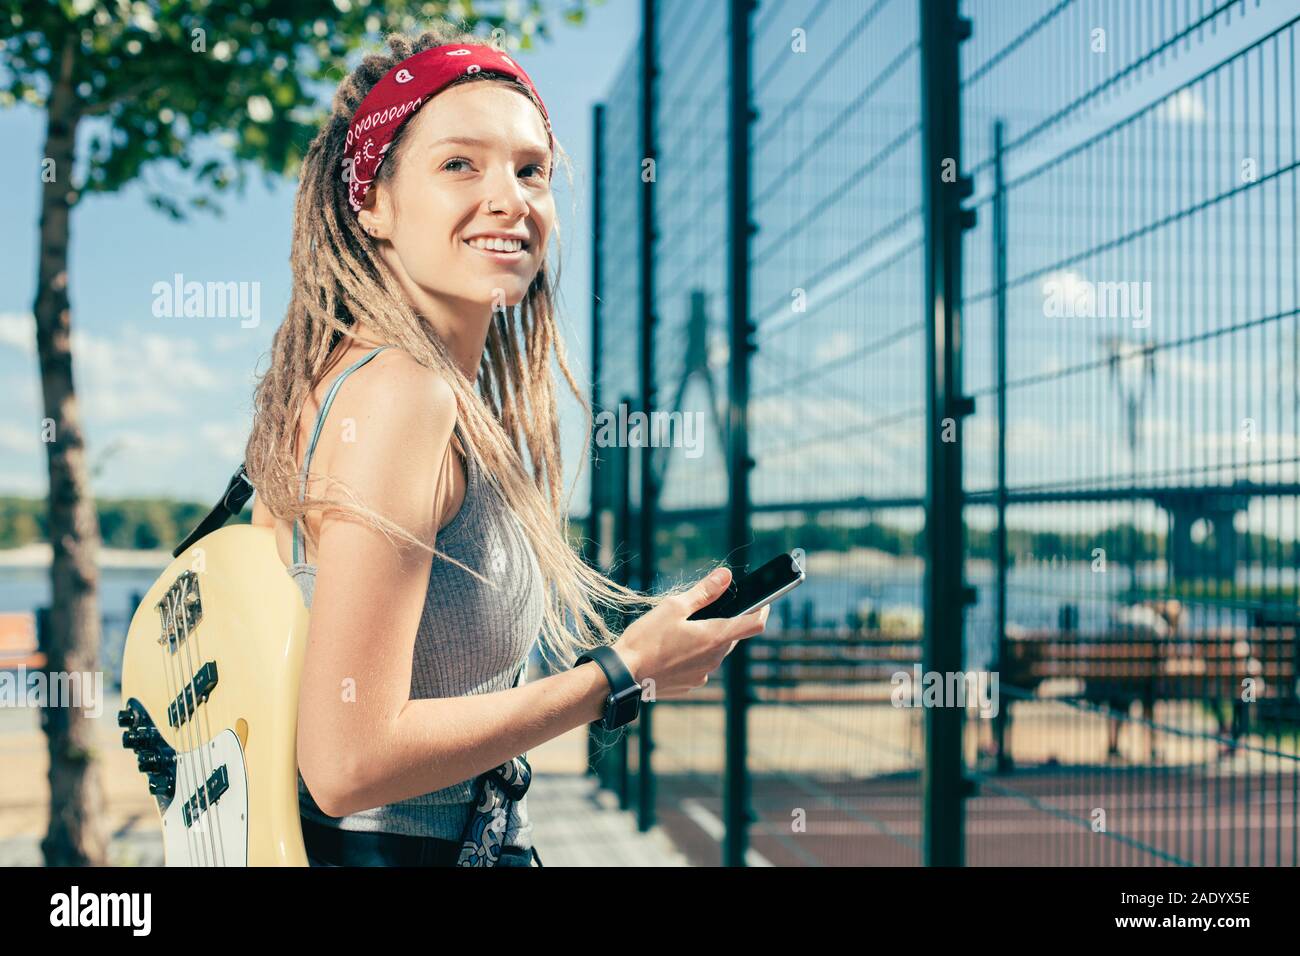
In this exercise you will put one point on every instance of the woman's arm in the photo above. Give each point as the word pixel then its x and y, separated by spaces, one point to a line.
pixel 361 741
pixel 437 742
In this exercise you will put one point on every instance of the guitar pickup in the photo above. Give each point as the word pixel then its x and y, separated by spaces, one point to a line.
pixel 208 794
pixel 196 692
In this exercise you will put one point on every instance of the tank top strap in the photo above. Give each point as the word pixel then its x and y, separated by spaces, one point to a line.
pixel 320 421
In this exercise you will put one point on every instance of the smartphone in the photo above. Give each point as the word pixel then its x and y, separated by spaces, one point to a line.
pixel 749 592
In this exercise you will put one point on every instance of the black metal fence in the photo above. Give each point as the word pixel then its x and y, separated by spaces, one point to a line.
pixel 993 312
pixel 1131 320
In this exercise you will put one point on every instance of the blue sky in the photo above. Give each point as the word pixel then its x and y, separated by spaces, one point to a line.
pixel 167 402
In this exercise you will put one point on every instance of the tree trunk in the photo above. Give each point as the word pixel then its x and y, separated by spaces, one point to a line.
pixel 71 641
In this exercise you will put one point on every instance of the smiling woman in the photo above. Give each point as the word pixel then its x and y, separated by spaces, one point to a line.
pixel 432 560
pixel 430 216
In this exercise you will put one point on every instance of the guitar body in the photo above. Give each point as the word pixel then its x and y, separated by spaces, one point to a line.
pixel 210 679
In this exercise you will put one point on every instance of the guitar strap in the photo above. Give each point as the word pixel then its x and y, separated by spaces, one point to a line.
pixel 232 502
pixel 241 489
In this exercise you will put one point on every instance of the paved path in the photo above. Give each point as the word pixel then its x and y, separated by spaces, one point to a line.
pixel 577 825
pixel 843 765
pixel 574 824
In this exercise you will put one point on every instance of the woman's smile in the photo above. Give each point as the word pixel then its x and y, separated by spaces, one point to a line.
pixel 500 255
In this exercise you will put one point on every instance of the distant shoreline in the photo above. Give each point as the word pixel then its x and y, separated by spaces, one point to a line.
pixel 857 559
pixel 38 555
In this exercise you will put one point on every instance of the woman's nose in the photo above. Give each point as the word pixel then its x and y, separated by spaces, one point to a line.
pixel 503 193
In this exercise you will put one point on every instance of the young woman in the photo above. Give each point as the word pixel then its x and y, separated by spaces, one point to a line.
pixel 411 374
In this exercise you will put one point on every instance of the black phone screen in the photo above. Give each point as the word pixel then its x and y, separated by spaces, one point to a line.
pixel 746 590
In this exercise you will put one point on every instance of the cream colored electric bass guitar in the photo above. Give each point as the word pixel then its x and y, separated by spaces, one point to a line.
pixel 210 677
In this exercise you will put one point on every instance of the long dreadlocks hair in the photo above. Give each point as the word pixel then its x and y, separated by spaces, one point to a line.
pixel 337 276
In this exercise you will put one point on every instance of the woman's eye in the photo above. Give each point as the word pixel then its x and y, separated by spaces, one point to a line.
pixel 540 168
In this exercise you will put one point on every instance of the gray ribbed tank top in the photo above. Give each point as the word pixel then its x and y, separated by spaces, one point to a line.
pixel 471 639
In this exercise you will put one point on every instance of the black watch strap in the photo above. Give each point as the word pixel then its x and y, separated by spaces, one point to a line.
pixel 624 700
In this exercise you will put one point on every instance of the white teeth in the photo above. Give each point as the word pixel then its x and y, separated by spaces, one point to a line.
pixel 496 245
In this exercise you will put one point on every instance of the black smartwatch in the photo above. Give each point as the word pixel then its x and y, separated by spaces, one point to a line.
pixel 624 700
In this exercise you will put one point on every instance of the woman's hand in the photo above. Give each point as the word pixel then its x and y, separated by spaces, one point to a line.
pixel 670 656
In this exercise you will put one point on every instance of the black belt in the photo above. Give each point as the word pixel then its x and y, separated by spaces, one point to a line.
pixel 372 848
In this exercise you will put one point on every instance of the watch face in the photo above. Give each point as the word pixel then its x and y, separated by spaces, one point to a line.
pixel 628 693
pixel 622 708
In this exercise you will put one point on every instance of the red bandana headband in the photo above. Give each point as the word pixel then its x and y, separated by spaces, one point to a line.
pixel 401 91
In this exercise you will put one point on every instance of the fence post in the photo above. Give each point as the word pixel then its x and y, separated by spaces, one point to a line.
pixel 737 812
pixel 649 399
pixel 1000 345
pixel 598 481
pixel 946 594
pixel 620 764
pixel 607 752
pixel 645 805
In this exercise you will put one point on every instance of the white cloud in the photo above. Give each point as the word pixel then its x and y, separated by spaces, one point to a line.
pixel 1034 438
pixel 1194 370
pixel 227 441
pixel 18 332
pixel 20 441
pixel 125 375
pixel 1066 284
pixel 1246 442
pixel 834 446
pixel 121 378
pixel 31 485
pixel 836 345
pixel 227 342
pixel 137 446
pixel 1185 106
pixel 1051 364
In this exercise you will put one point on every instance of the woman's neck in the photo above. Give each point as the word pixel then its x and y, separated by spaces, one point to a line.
pixel 465 340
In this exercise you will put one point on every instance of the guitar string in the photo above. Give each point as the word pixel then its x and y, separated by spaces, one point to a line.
pixel 202 710
pixel 176 606
pixel 200 748
pixel 179 784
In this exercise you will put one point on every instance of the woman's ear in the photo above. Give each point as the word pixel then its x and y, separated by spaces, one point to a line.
pixel 376 212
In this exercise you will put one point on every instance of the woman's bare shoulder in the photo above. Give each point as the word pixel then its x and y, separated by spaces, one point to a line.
pixel 389 427
pixel 396 375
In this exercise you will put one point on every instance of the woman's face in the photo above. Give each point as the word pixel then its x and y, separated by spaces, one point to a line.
pixel 474 162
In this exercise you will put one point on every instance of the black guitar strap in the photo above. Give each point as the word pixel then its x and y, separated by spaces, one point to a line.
pixel 237 494
pixel 232 503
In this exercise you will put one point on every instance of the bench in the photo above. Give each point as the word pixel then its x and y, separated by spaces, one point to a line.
pixel 18 643
pixel 1117 668
pixel 829 665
